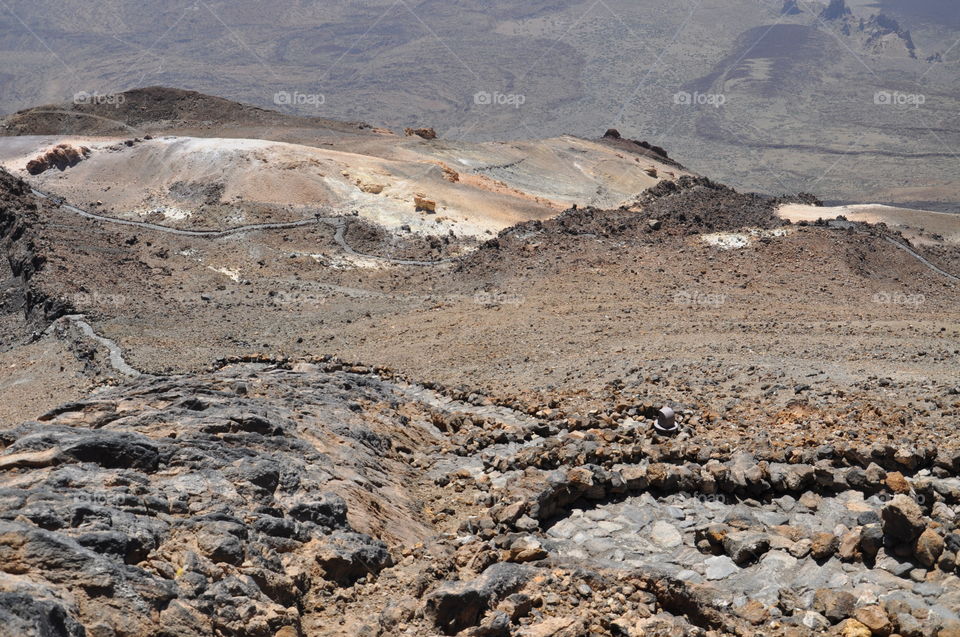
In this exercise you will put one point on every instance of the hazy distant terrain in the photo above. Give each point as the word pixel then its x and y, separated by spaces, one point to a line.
pixel 927 12
pixel 270 375
pixel 733 88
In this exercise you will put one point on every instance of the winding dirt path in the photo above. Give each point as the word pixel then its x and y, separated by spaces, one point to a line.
pixel 921 259
pixel 206 233
pixel 116 358
pixel 339 223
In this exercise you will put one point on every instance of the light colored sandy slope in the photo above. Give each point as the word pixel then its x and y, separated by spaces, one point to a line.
pixel 920 226
pixel 479 189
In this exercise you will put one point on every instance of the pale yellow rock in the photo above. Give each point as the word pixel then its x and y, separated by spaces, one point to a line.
pixel 853 628
pixel 373 189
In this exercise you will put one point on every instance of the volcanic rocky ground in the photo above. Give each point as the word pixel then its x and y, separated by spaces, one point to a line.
pixel 332 427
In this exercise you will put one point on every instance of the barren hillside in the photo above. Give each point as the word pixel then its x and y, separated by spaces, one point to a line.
pixel 253 385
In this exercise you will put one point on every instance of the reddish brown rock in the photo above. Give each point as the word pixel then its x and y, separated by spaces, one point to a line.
pixel 876 619
pixel 929 548
pixel 425 133
pixel 824 546
pixel 61 157
pixel 849 550
pixel 423 204
pixel 897 483
pixel 754 612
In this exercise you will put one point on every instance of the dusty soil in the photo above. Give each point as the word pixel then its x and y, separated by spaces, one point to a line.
pixel 487 422
pixel 151 159
pixel 158 108
pixel 659 313
pixel 920 226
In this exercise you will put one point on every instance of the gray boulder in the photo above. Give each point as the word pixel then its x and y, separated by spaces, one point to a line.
pixel 344 557
pixel 903 520
pixel 456 606
pixel 745 547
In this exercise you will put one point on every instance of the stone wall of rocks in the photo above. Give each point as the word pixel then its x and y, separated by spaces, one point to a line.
pixel 25 251
pixel 903 519
pixel 283 498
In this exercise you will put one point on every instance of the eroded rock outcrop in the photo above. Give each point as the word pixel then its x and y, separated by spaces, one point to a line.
pixel 425 133
pixel 278 498
pixel 60 157
pixel 27 253
pixel 836 10
pixel 198 505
